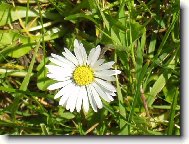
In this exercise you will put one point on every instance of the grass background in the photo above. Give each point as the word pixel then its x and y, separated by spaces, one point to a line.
pixel 143 37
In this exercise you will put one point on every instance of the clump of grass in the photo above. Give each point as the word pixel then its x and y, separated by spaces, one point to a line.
pixel 141 36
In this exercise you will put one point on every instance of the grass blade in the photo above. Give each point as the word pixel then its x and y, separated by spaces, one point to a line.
pixel 172 113
pixel 24 84
pixel 122 123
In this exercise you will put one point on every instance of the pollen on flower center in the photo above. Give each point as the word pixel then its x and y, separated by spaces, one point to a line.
pixel 83 75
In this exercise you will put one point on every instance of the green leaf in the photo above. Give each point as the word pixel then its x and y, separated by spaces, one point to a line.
pixel 122 19
pixel 67 115
pixel 152 46
pixel 14 44
pixel 9 13
pixel 136 30
pixel 80 15
pixel 160 83
pixel 139 58
pixel 120 33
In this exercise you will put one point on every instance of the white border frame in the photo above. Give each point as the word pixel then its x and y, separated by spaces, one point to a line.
pixel 183 139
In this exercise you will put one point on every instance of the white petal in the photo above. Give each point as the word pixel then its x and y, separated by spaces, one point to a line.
pixel 79 101
pixel 58 77
pixel 74 99
pixel 106 85
pixel 53 68
pixel 72 107
pixel 96 96
pixel 58 85
pixel 104 66
pixel 98 63
pixel 112 94
pixel 117 72
pixel 57 57
pixel 95 56
pixel 57 69
pixel 70 56
pixel 61 61
pixel 108 92
pixel 83 53
pixel 57 62
pixel 105 77
pixel 90 55
pixel 109 72
pixel 71 102
pixel 85 99
pixel 63 99
pixel 77 52
pixel 64 90
pixel 91 100
pixel 100 92
pixel 110 97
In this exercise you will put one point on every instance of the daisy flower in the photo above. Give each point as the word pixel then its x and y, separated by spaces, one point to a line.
pixel 84 80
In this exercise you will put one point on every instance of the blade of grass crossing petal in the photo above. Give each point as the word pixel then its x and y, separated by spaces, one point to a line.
pixel 172 113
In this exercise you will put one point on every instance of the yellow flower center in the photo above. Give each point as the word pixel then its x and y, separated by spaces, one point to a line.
pixel 83 75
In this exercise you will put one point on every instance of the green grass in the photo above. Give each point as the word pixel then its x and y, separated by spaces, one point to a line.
pixel 142 37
